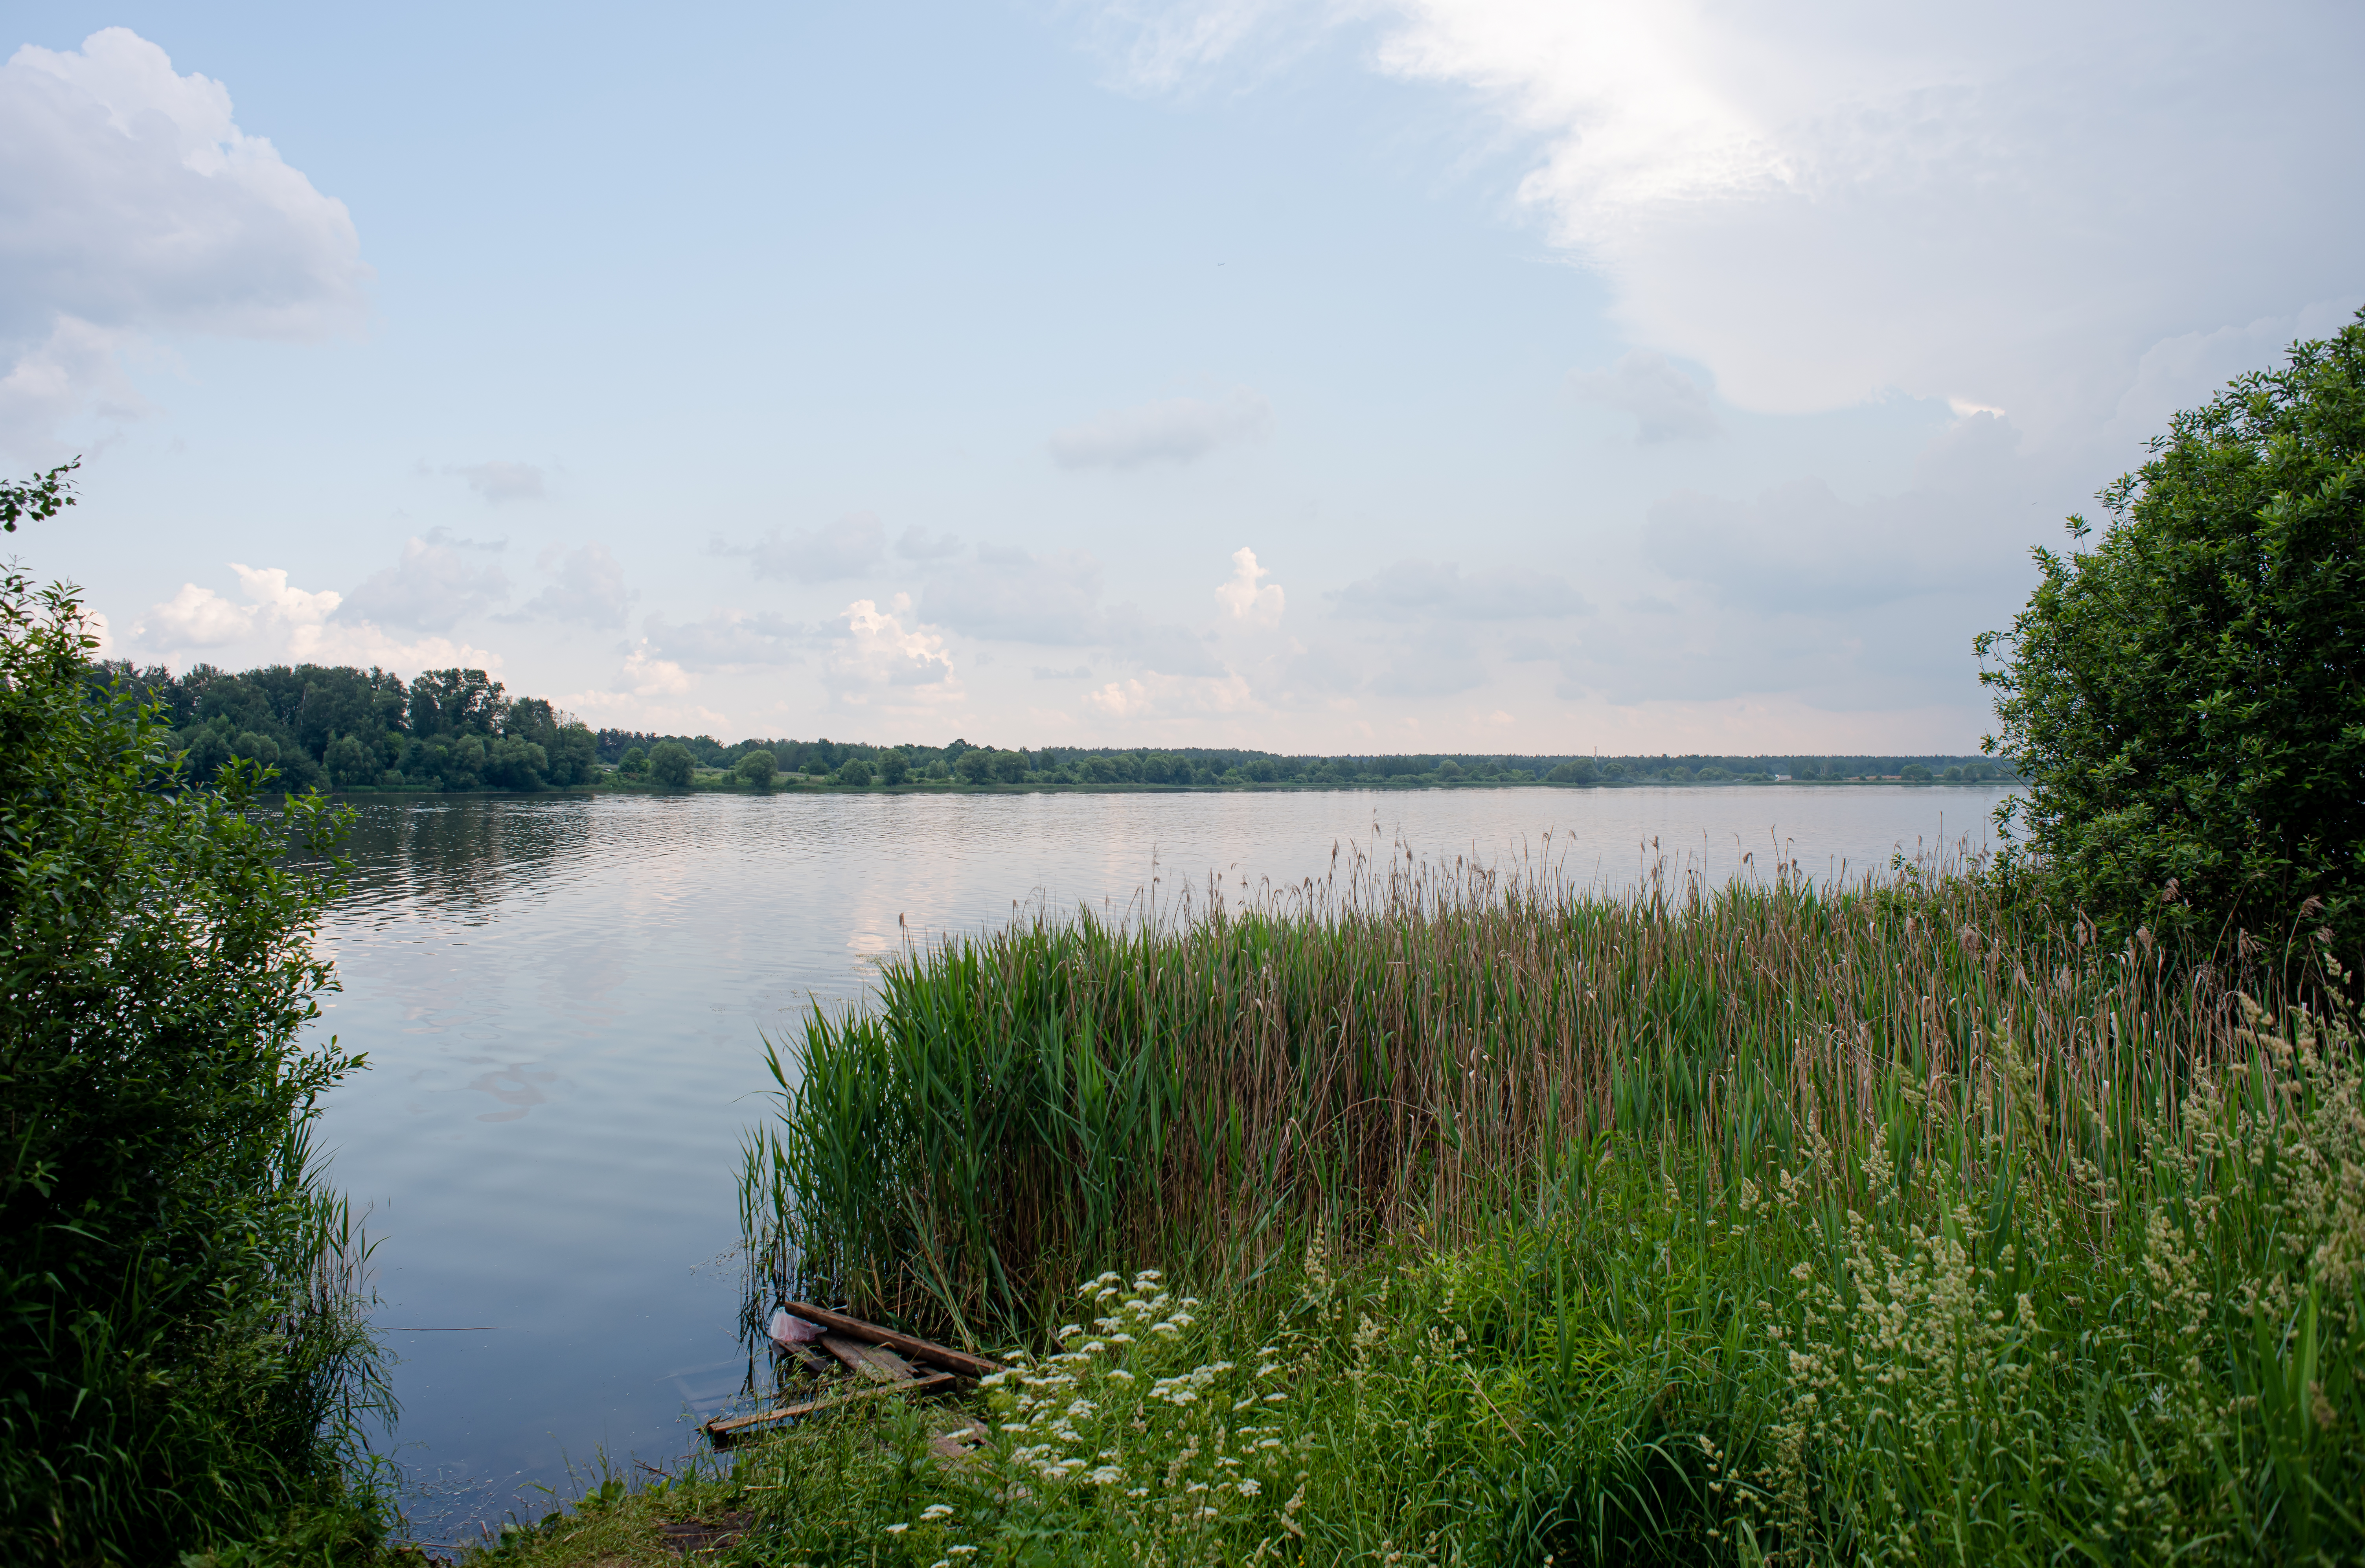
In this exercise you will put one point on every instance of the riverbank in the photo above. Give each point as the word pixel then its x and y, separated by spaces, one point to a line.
pixel 1764 1224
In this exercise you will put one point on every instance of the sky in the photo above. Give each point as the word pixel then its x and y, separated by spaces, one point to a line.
pixel 1384 375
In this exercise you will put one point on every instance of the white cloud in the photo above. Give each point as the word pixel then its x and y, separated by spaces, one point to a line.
pixel 1666 404
pixel 1242 597
pixel 875 661
pixel 499 482
pixel 131 203
pixel 646 677
pixel 195 618
pixel 588 589
pixel 1182 430
pixel 77 367
pixel 429 589
pixel 1410 588
pixel 1823 204
pixel 282 623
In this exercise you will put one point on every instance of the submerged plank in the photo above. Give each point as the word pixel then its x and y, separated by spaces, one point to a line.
pixel 919 1350
pixel 725 1429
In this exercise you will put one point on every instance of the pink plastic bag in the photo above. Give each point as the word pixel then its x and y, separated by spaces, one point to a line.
pixel 787 1328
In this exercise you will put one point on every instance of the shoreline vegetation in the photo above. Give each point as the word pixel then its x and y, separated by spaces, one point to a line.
pixel 1908 1220
pixel 347 731
pixel 1497 1220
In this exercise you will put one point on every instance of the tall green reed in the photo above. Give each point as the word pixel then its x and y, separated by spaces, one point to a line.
pixel 1401 1047
pixel 1819 1218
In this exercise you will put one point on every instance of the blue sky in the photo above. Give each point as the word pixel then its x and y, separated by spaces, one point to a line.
pixel 1376 376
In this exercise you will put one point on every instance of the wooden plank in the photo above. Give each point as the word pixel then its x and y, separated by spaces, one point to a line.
pixel 812 1361
pixel 918 1348
pixel 723 1428
pixel 875 1362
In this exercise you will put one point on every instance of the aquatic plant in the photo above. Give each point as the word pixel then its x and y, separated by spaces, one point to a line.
pixel 1774 1222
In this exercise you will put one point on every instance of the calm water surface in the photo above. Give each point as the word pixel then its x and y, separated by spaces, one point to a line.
pixel 563 1003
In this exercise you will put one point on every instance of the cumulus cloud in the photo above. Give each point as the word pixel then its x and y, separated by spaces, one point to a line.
pixel 132 203
pixel 1666 404
pixel 499 482
pixel 854 545
pixel 1820 206
pixel 1428 588
pixel 730 639
pixel 588 589
pixel 1242 597
pixel 1181 430
pixel 280 622
pixel 874 660
pixel 431 588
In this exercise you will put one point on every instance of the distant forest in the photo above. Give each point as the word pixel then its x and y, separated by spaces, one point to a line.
pixel 961 761
pixel 335 727
pixel 338 728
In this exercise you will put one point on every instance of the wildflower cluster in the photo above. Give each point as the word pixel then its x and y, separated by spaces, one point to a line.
pixel 1102 1424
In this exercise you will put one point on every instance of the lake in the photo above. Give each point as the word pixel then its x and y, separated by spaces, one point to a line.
pixel 564 1000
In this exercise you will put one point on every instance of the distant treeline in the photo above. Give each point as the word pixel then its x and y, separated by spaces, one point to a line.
pixel 962 760
pixel 335 727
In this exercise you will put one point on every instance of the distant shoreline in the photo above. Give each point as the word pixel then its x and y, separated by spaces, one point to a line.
pixel 1388 786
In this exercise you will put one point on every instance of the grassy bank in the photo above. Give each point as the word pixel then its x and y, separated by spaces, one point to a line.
pixel 1771 1223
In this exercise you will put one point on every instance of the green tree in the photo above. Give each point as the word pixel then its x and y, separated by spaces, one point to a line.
pixel 670 764
pixel 181 1365
pixel 856 772
pixel 2186 700
pixel 350 762
pixel 1576 771
pixel 1912 773
pixel 515 763
pixel 634 763
pixel 975 765
pixel 757 767
pixel 893 767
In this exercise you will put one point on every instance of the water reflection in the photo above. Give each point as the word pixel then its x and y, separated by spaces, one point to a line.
pixel 562 1001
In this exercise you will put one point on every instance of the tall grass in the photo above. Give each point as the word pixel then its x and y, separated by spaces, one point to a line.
pixel 1773 1221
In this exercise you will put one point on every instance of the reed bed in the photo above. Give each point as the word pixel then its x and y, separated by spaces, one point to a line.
pixel 1778 1221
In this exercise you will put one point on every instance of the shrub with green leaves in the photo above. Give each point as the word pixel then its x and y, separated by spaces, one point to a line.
pixel 181 1365
pixel 2187 700
pixel 670 764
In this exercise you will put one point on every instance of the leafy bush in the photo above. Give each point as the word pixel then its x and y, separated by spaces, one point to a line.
pixel 2187 701
pixel 671 764
pixel 758 767
pixel 854 772
pixel 181 1359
